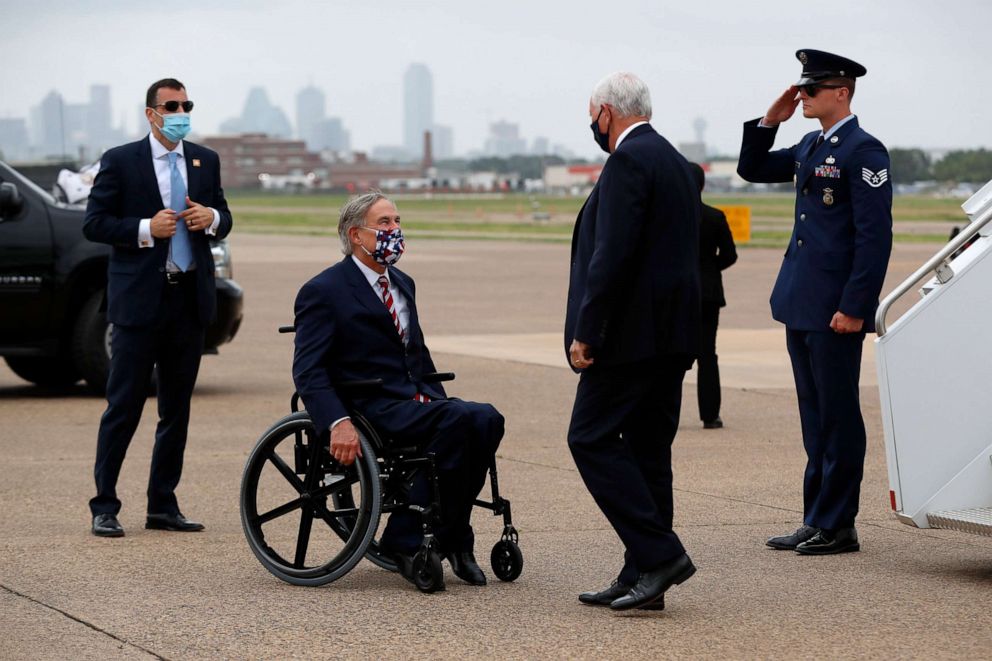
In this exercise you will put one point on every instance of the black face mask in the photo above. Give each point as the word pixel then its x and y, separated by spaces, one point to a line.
pixel 602 139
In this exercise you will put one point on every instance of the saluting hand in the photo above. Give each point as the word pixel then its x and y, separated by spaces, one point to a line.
pixel 783 107
pixel 196 216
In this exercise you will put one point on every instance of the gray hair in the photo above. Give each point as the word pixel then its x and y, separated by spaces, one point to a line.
pixel 353 215
pixel 625 92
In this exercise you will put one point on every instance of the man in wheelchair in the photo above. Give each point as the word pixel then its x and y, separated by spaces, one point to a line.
pixel 357 320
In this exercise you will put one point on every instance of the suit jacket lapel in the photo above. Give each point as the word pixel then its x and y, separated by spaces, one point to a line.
pixel 146 170
pixel 193 176
pixel 413 327
pixel 365 295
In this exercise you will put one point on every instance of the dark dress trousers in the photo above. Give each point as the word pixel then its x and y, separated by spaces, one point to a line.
pixel 716 253
pixel 634 297
pixel 154 322
pixel 836 261
pixel 344 332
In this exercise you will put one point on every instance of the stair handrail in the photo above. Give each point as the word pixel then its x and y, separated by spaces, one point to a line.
pixel 935 263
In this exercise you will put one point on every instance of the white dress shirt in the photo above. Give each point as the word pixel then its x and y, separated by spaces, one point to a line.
pixel 163 174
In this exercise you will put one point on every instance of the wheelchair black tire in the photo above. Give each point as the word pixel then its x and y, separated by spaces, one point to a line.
pixel 428 574
pixel 507 560
pixel 359 536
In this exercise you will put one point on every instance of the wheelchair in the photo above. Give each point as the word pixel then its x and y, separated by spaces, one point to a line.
pixel 309 520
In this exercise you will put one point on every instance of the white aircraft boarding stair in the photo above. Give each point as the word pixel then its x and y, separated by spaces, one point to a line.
pixel 935 382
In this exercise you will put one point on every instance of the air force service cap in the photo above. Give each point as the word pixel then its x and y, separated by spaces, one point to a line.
pixel 819 65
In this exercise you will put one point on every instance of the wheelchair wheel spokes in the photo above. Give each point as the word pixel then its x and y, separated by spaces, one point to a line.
pixel 289 481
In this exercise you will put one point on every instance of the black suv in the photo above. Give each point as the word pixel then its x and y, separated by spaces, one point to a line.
pixel 53 330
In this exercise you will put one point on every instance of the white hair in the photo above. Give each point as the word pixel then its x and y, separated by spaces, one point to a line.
pixel 625 92
pixel 353 215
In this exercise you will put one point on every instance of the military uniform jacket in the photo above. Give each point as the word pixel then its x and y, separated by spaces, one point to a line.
pixel 842 236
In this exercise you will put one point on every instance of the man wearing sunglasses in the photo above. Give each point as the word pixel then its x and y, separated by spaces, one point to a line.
pixel 156 201
pixel 828 286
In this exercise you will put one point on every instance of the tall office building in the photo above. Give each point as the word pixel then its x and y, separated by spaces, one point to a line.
pixel 418 108
pixel 13 138
pixel 48 126
pixel 444 142
pixel 100 134
pixel 310 112
pixel 259 116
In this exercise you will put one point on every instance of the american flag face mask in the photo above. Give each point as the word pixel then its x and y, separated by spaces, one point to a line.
pixel 389 246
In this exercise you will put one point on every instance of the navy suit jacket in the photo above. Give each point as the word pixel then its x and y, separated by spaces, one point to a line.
pixel 125 191
pixel 842 234
pixel 633 291
pixel 345 333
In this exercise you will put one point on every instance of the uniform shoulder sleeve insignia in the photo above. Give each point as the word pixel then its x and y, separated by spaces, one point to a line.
pixel 875 179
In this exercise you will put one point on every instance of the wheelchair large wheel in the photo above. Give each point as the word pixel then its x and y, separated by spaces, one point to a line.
pixel 308 519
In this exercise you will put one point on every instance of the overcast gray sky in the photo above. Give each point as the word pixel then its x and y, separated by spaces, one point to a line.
pixel 533 62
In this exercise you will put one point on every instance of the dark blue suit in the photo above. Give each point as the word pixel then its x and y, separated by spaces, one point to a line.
pixel 836 261
pixel 634 297
pixel 154 322
pixel 344 332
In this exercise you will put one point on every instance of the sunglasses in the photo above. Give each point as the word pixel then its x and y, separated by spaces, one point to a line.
pixel 811 90
pixel 173 106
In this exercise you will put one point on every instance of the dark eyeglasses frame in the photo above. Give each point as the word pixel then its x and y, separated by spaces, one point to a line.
pixel 173 106
pixel 811 90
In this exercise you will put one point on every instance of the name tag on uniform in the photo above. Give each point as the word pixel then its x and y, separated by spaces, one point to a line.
pixel 828 171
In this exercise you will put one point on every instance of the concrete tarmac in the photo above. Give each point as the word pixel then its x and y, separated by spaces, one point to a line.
pixel 492 313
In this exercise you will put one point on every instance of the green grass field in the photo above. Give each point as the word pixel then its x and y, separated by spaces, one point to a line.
pixel 545 218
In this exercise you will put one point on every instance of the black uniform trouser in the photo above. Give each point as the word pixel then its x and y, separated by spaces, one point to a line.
pixel 623 423
pixel 464 437
pixel 708 373
pixel 827 369
pixel 175 342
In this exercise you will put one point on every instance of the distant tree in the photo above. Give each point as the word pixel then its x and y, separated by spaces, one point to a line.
pixel 909 165
pixel 528 167
pixel 972 165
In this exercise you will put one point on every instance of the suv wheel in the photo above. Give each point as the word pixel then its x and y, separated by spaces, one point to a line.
pixel 44 371
pixel 91 346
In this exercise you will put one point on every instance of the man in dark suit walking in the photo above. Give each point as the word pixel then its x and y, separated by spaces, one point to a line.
pixel 358 320
pixel 632 331
pixel 156 201
pixel 717 252
pixel 827 289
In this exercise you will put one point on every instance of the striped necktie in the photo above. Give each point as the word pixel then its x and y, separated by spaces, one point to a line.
pixel 387 300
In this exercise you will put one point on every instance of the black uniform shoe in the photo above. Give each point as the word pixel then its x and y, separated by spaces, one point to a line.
pixel 715 423
pixel 650 587
pixel 173 522
pixel 790 542
pixel 107 525
pixel 466 568
pixel 614 592
pixel 829 542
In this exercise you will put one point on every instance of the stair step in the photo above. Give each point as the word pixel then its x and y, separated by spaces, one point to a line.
pixel 977 521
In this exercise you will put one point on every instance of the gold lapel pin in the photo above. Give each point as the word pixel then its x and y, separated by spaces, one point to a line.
pixel 196 162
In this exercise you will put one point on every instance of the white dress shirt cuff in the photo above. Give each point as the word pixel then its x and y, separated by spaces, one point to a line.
pixel 338 421
pixel 145 238
pixel 761 124
pixel 212 230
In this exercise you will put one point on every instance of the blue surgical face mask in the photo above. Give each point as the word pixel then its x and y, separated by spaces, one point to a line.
pixel 175 126
pixel 389 245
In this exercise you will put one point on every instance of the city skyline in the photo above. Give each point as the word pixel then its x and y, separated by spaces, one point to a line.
pixel 530 63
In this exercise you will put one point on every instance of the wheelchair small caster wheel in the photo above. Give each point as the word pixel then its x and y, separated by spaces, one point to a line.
pixel 507 560
pixel 428 574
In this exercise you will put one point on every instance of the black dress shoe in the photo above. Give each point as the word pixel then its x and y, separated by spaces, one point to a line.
pixel 790 542
pixel 614 592
pixel 650 587
pixel 829 542
pixel 466 568
pixel 107 525
pixel 173 522
pixel 715 423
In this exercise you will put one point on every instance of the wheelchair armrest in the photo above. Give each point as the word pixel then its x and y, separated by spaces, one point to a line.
pixel 437 377
pixel 359 387
pixel 287 329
